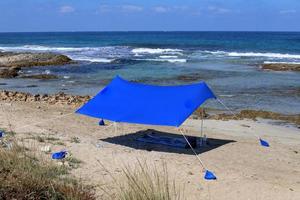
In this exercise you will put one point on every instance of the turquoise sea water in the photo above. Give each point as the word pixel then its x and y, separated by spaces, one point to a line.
pixel 227 61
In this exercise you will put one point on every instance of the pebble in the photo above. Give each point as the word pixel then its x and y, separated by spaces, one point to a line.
pixel 45 149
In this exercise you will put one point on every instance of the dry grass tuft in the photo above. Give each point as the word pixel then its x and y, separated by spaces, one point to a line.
pixel 144 183
pixel 23 176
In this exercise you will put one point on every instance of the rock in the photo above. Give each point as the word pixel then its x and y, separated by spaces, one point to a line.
pixel 281 66
pixel 253 114
pixel 31 86
pixel 60 98
pixel 46 149
pixel 189 77
pixel 9 59
pixel 40 76
pixel 200 113
pixel 9 72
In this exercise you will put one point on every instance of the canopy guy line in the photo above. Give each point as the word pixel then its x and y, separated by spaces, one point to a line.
pixel 44 121
pixel 263 143
pixel 199 159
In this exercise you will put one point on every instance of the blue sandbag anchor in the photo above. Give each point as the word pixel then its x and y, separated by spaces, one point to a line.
pixel 209 175
pixel 2 134
pixel 101 122
pixel 59 155
pixel 264 143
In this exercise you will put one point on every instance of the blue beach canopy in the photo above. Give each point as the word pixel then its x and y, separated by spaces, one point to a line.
pixel 124 101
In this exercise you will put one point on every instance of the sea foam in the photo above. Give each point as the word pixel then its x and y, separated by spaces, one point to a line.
pixel 155 51
pixel 270 55
pixel 168 56
pixel 96 60
pixel 253 54
pixel 164 60
pixel 289 63
pixel 48 48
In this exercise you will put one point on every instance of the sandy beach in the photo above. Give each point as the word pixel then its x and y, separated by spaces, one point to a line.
pixel 245 170
pixel 149 100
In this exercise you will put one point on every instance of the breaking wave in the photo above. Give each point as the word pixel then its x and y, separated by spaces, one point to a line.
pixel 96 60
pixel 253 54
pixel 110 54
pixel 168 56
pixel 48 48
pixel 164 60
pixel 289 63
pixel 156 51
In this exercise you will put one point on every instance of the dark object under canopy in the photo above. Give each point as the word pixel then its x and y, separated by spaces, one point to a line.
pixel 124 101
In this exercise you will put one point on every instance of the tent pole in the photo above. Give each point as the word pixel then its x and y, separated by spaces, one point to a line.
pixel 115 126
pixel 202 123
pixel 200 161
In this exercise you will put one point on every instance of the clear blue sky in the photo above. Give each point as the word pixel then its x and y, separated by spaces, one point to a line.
pixel 147 15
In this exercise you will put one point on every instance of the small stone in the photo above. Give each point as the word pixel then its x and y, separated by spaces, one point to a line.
pixel 45 149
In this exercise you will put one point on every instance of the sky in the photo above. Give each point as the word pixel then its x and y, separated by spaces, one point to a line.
pixel 149 15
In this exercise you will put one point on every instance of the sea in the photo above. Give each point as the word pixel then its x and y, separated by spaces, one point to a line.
pixel 229 62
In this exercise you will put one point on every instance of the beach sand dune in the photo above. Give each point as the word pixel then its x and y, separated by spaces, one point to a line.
pixel 245 170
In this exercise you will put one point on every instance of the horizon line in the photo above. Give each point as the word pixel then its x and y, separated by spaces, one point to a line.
pixel 120 31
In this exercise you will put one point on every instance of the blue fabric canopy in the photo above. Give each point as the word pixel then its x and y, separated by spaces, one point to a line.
pixel 124 101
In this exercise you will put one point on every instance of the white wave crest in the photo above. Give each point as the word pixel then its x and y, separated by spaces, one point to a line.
pixel 270 55
pixel 164 60
pixel 290 63
pixel 97 60
pixel 253 54
pixel 168 56
pixel 48 48
pixel 155 51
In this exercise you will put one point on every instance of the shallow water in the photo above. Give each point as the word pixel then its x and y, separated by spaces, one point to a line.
pixel 227 61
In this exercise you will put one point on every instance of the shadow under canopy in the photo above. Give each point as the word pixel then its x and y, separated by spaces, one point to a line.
pixel 130 140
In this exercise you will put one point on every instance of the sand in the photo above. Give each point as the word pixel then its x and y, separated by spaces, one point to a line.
pixel 245 170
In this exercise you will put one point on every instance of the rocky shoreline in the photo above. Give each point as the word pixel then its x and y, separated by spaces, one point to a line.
pixel 247 114
pixel 60 98
pixel 11 63
pixel 281 67
pixel 77 100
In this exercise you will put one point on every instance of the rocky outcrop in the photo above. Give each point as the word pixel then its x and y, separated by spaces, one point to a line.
pixel 189 77
pixel 10 59
pixel 9 72
pixel 11 63
pixel 41 76
pixel 281 67
pixel 249 114
pixel 60 98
